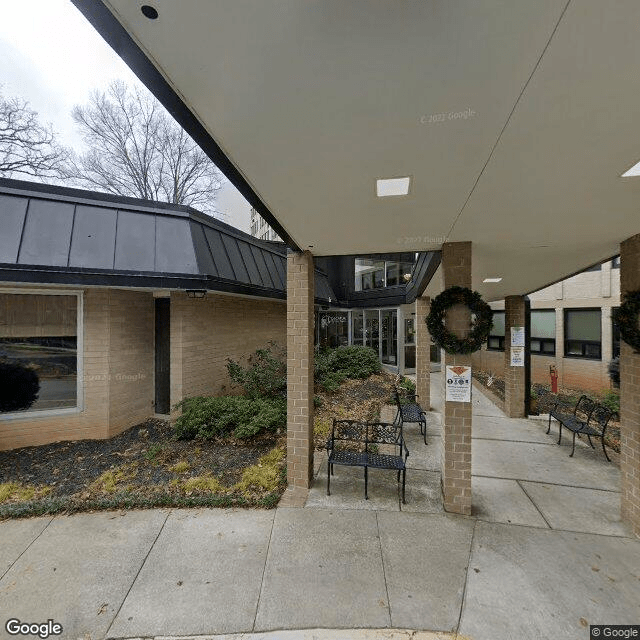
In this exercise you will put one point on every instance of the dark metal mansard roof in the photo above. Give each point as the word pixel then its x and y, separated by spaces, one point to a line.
pixel 57 235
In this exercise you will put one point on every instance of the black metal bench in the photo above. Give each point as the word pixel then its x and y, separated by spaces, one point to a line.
pixel 588 418
pixel 410 411
pixel 358 444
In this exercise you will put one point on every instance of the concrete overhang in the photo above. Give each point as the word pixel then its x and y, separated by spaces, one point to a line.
pixel 514 120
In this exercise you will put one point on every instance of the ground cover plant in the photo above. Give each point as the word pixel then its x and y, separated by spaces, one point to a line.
pixel 146 466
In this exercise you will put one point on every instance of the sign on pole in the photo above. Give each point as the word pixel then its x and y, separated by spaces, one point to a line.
pixel 458 387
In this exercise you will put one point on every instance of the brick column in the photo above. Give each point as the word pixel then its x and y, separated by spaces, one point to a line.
pixel 456 424
pixel 423 353
pixel 514 377
pixel 300 319
pixel 630 395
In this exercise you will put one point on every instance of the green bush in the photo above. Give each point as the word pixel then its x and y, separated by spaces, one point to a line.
pixel 408 385
pixel 264 375
pixel 334 366
pixel 205 417
pixel 611 400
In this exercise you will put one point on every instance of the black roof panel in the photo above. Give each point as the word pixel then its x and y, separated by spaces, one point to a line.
pixel 53 234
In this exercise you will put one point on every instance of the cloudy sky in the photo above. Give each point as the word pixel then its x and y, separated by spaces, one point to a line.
pixel 51 56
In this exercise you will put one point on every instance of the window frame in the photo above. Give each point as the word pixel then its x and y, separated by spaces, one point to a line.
pixel 79 408
pixel 543 341
pixel 583 343
pixel 500 339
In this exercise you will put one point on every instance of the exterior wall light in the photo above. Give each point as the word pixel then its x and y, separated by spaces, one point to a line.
pixel 196 293
pixel 149 12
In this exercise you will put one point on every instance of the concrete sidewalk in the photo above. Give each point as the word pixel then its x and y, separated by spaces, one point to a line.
pixel 544 556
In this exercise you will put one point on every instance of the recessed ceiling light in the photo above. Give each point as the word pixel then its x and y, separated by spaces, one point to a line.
pixel 392 186
pixel 634 171
pixel 149 12
pixel 492 280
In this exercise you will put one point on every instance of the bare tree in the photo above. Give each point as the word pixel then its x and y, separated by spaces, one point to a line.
pixel 27 147
pixel 136 149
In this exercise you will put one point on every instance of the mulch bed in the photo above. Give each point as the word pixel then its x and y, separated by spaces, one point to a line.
pixel 145 452
pixel 354 400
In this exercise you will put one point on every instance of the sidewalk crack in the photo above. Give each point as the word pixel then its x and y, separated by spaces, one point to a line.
pixel 264 569
pixel 384 573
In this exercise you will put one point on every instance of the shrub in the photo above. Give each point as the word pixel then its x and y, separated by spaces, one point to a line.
pixel 205 417
pixel 611 400
pixel 19 387
pixel 334 366
pixel 264 375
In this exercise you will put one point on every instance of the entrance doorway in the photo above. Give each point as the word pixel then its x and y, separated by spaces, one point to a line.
pixel 162 356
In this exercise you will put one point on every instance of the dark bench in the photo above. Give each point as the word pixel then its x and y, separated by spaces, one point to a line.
pixel 410 411
pixel 364 444
pixel 588 418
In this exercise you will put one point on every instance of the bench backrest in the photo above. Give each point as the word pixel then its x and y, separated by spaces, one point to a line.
pixel 366 433
pixel 601 415
pixel 584 408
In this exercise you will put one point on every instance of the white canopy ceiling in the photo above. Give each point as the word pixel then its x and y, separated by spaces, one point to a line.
pixel 514 120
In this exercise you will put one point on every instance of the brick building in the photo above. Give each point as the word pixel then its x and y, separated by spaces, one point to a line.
pixel 572 328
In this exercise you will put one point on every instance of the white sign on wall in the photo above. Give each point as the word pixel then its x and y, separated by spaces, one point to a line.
pixel 517 356
pixel 458 384
pixel 517 336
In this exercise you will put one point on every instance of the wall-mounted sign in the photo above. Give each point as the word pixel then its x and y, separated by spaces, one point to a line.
pixel 517 336
pixel 517 356
pixel 458 384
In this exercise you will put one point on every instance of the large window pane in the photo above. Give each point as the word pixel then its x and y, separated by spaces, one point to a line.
pixel 389 336
pixel 498 324
pixel 543 323
pixel 372 329
pixel 583 324
pixel 369 274
pixel 38 333
pixel 357 327
pixel 334 328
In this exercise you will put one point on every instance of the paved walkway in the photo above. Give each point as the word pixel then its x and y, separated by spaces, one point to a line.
pixel 544 556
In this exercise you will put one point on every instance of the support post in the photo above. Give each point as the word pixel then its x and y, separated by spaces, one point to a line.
pixel 300 326
pixel 423 353
pixel 515 392
pixel 630 395
pixel 456 424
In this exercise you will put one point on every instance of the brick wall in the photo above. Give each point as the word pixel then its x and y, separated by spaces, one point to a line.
pixel 300 321
pixel 206 331
pixel 117 338
pixel 514 377
pixel 456 427
pixel 630 396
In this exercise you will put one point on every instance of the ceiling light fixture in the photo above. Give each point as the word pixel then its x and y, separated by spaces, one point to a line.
pixel 149 12
pixel 633 172
pixel 492 280
pixel 386 187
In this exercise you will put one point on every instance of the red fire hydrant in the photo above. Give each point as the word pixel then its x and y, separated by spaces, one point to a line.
pixel 554 378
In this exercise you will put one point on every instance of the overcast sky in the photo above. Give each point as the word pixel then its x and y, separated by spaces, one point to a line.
pixel 51 56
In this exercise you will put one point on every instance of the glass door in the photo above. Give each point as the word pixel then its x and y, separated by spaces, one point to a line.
pixel 389 336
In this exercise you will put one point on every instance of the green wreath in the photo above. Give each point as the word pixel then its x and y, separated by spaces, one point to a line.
pixel 481 326
pixel 627 319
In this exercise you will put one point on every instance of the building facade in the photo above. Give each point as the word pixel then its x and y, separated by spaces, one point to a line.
pixel 260 229
pixel 572 329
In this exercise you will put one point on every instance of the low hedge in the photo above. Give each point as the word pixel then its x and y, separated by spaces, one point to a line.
pixel 207 417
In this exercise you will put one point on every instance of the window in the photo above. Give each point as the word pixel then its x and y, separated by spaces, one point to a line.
pixel 333 329
pixel 615 263
pixel 39 333
pixel 357 327
pixel 583 333
pixel 615 333
pixel 495 342
pixel 376 274
pixel 543 332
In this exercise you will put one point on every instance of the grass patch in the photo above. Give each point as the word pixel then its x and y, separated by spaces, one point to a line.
pixel 14 492
pixel 180 467
pixel 206 483
pixel 113 479
pixel 266 475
